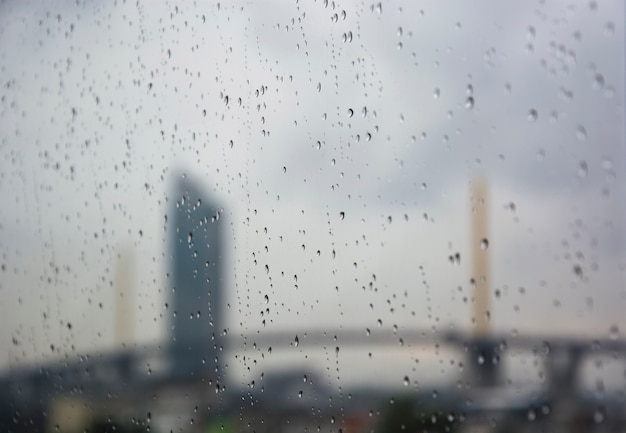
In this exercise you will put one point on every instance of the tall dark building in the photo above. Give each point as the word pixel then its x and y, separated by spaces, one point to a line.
pixel 196 281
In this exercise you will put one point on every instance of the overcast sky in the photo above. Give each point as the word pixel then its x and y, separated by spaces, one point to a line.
pixel 291 115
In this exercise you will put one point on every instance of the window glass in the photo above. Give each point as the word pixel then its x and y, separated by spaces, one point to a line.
pixel 312 216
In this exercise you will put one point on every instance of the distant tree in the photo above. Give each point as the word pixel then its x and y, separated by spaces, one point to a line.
pixel 405 415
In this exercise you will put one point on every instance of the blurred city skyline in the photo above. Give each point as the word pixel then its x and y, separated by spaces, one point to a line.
pixel 341 152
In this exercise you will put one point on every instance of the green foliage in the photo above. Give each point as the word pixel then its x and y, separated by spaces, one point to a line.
pixel 406 415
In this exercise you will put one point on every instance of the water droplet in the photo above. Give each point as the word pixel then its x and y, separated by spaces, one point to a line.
pixel 581 132
pixel 296 341
pixel 406 381
pixel 511 207
pixel 614 332
pixel 455 259
pixel 598 82
pixel 299 394
pixel 267 299
pixel 319 87
pixel 342 215
pixel 531 415
pixel 484 244
pixel 350 112
pixel 436 93
pixel 532 115
pixel 598 415
pixel 583 169
pixel 469 103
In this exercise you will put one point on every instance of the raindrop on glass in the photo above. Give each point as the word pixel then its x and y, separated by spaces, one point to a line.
pixel 598 81
pixel 583 169
pixel 598 416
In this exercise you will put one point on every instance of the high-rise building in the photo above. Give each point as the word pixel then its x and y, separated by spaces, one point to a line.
pixel 196 281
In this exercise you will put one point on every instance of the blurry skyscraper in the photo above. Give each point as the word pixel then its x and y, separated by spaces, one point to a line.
pixel 196 281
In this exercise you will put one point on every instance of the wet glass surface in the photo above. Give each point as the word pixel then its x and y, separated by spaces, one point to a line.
pixel 312 216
